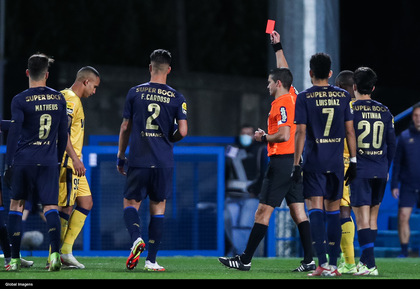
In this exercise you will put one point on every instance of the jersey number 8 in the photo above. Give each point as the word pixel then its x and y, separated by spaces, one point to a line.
pixel 44 126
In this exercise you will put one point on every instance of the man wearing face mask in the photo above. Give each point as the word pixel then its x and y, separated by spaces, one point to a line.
pixel 245 165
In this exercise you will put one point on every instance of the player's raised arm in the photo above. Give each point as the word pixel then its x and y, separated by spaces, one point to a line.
pixel 278 49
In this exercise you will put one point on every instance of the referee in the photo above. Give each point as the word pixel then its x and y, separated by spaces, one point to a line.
pixel 280 145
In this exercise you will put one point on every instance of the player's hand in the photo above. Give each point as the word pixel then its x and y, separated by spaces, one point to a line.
pixel 296 173
pixel 120 165
pixel 351 173
pixel 395 193
pixel 275 37
pixel 79 168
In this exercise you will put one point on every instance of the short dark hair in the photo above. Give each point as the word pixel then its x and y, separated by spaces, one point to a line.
pixel 320 65
pixel 161 56
pixel 84 72
pixel 344 78
pixel 282 74
pixel 38 65
pixel 365 79
pixel 416 106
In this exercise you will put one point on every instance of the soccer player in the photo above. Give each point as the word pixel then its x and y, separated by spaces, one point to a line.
pixel 405 173
pixel 347 263
pixel 155 116
pixel 35 146
pixel 324 119
pixel 74 188
pixel 276 183
pixel 376 144
pixel 4 235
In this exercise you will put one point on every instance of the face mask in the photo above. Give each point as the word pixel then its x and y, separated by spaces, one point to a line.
pixel 245 140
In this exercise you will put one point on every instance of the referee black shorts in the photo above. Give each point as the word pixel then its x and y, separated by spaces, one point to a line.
pixel 277 183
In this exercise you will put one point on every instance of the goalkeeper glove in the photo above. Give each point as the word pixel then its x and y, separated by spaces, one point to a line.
pixel 296 173
pixel 351 172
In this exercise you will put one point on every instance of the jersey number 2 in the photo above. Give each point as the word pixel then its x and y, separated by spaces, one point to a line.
pixel 155 109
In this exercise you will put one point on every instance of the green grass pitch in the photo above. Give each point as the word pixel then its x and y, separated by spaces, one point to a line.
pixel 196 268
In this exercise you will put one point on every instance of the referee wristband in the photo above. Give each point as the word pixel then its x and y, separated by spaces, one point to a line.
pixel 277 46
pixel 264 138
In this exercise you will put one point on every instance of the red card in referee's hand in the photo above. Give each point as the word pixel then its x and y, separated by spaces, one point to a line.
pixel 270 26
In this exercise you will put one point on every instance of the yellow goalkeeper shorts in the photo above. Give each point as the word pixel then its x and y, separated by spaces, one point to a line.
pixel 71 187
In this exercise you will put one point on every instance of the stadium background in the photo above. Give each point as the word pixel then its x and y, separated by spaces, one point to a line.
pixel 221 57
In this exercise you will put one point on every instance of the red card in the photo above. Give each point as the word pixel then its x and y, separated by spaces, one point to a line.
pixel 270 26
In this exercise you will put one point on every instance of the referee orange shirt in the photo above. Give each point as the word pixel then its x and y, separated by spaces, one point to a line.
pixel 282 113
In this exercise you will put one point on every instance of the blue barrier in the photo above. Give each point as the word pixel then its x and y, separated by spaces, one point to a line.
pixel 194 223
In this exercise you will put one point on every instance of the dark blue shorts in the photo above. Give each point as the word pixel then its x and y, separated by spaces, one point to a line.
pixel 367 192
pixel 326 185
pixel 409 197
pixel 153 182
pixel 32 182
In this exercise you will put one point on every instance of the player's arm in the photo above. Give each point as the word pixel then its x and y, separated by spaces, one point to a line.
pixel 181 132
pixel 351 144
pixel 391 142
pixel 14 132
pixel 396 168
pixel 124 136
pixel 278 49
pixel 79 167
pixel 300 137
pixel 62 135
pixel 351 138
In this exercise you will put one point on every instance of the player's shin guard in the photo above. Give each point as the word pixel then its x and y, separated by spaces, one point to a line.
pixel 366 246
pixel 155 236
pixel 316 217
pixel 132 223
pixel 54 229
pixel 75 226
pixel 15 232
pixel 4 236
pixel 64 220
pixel 334 236
pixel 347 240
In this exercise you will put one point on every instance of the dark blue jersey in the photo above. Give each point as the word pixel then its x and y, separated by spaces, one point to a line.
pixel 324 110
pixel 153 109
pixel 407 159
pixel 38 130
pixel 375 138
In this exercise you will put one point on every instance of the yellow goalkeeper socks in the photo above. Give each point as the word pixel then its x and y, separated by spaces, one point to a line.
pixel 75 226
pixel 347 239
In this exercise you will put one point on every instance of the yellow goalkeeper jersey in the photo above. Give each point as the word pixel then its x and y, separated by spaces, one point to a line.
pixel 76 124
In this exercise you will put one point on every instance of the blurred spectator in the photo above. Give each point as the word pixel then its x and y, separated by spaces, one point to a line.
pixel 245 166
pixel 405 183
